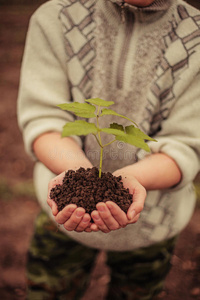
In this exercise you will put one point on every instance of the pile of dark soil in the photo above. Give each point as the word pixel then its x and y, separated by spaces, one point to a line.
pixel 85 189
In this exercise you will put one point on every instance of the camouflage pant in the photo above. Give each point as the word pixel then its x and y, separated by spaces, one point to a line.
pixel 59 268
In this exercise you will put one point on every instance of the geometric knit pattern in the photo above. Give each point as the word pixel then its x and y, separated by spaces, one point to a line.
pixel 78 27
pixel 171 66
pixel 156 218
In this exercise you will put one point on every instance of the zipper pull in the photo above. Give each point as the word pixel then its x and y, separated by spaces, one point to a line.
pixel 122 11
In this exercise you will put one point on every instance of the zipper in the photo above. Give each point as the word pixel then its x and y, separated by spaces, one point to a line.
pixel 125 47
pixel 122 11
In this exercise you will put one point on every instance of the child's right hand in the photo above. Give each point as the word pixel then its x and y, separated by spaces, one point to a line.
pixel 74 218
pixel 71 217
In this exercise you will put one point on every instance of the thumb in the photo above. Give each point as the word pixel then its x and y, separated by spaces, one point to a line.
pixel 53 206
pixel 139 196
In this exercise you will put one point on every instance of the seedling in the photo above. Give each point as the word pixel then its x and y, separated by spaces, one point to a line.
pixel 93 109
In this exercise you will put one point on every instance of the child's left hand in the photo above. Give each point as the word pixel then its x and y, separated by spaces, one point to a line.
pixel 109 215
pixel 72 218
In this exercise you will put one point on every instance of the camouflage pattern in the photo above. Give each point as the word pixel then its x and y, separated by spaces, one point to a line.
pixel 139 274
pixel 59 268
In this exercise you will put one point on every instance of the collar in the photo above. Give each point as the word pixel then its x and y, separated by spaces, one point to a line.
pixel 147 13
pixel 157 5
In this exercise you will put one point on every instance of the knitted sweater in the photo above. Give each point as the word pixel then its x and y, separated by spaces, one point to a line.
pixel 149 66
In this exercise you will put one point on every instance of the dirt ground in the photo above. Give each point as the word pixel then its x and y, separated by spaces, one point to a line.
pixel 17 201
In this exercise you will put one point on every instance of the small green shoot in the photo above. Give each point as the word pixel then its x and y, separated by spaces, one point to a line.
pixel 93 109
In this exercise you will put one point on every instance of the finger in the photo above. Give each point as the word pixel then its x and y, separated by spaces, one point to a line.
pixel 84 223
pixel 107 217
pixel 75 219
pixel 53 206
pixel 49 201
pixel 117 213
pixel 134 220
pixel 94 227
pixel 138 203
pixel 99 222
pixel 88 229
pixel 65 213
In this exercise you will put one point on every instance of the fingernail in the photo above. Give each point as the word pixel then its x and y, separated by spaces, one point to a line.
pixel 85 221
pixel 71 210
pixel 101 208
pixel 96 217
pixel 79 213
pixel 133 214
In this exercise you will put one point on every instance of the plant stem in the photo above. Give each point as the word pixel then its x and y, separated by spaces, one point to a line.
pixel 101 155
pixel 100 143
pixel 109 143
pixel 100 163
pixel 97 140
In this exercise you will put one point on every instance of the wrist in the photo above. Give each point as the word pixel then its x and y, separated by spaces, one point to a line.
pixel 156 171
pixel 73 163
pixel 60 154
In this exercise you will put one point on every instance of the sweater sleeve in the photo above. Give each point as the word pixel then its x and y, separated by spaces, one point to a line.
pixel 43 82
pixel 179 136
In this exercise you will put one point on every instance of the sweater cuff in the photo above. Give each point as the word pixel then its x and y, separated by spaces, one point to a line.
pixel 38 127
pixel 183 155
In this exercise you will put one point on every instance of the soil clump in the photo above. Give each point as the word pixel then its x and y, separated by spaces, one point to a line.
pixel 85 189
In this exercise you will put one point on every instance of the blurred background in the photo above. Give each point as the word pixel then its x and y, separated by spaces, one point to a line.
pixel 18 205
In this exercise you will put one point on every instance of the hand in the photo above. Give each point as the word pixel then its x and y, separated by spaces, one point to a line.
pixel 71 217
pixel 109 215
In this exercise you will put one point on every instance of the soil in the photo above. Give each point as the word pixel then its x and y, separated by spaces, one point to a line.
pixel 19 210
pixel 85 189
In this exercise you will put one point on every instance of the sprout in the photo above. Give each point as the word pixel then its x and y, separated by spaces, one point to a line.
pixel 93 109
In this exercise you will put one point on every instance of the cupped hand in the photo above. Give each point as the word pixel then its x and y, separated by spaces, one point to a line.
pixel 71 217
pixel 109 216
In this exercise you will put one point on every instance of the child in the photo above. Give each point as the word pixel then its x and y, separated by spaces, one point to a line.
pixel 145 56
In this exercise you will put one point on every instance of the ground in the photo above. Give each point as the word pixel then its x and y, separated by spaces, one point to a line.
pixel 18 204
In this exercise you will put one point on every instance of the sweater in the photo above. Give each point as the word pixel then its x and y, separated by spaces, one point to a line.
pixel 148 63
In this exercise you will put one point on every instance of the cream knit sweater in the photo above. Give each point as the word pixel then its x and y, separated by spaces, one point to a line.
pixel 149 65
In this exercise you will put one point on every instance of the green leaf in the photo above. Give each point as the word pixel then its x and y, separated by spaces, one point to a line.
pixel 136 132
pixel 134 141
pixel 83 110
pixel 106 111
pixel 100 102
pixel 79 127
pixel 116 132
pixel 117 126
pixel 132 136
